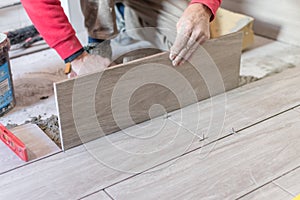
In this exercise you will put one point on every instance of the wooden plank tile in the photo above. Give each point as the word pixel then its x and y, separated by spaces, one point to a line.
pixel 98 196
pixel 270 191
pixel 297 109
pixel 38 143
pixel 79 166
pixel 243 107
pixel 85 169
pixel 105 102
pixel 233 167
pixel 67 175
pixel 267 21
pixel 290 182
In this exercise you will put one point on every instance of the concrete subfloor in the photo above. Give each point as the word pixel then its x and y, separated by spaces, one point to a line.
pixel 35 74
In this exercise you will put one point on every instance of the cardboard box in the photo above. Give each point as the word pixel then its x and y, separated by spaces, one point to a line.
pixel 227 22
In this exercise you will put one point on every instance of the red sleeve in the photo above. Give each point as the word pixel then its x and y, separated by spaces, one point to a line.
pixel 213 5
pixel 52 23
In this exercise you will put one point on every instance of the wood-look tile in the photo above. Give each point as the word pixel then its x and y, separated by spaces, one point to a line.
pixel 98 196
pixel 242 107
pixel 85 169
pixel 269 191
pixel 290 182
pixel 232 168
pixel 38 144
pixel 105 102
pixel 78 165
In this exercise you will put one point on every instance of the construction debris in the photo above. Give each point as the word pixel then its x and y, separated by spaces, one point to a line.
pixel 49 126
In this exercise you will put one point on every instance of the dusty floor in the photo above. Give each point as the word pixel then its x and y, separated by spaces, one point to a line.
pixel 35 74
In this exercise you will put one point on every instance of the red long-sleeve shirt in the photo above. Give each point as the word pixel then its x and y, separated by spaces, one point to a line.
pixel 52 23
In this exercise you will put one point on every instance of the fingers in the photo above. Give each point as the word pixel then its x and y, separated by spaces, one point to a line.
pixel 72 74
pixel 180 43
pixel 188 48
pixel 89 64
pixel 195 47
pixel 193 30
pixel 185 54
pixel 189 54
pixel 106 62
pixel 96 62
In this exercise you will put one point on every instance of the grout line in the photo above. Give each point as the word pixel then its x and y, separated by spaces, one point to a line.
pixel 106 192
pixel 272 181
pixel 217 140
pixel 185 128
pixel 188 152
pixel 162 163
pixel 297 109
pixel 97 191
pixel 269 182
pixel 268 118
pixel 282 188
pixel 34 161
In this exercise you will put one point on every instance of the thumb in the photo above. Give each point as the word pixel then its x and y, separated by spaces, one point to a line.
pixel 72 74
pixel 106 62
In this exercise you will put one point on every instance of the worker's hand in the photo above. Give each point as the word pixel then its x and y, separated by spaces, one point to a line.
pixel 87 63
pixel 192 30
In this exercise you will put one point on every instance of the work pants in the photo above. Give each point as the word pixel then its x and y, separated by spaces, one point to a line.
pixel 163 15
